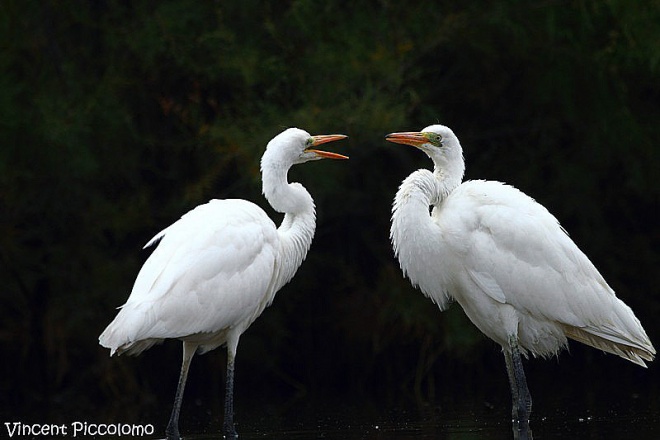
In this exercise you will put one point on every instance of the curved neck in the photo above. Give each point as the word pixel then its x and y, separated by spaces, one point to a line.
pixel 415 234
pixel 297 228
pixel 411 219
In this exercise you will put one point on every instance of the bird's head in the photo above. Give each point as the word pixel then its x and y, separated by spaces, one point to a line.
pixel 435 140
pixel 295 146
pixel 439 143
pixel 292 146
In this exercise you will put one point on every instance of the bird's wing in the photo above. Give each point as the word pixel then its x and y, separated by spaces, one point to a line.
pixel 516 252
pixel 211 269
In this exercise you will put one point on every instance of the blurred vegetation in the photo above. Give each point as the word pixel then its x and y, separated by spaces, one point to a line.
pixel 117 117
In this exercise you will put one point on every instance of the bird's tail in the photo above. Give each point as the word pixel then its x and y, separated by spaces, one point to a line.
pixel 123 335
pixel 634 353
pixel 623 337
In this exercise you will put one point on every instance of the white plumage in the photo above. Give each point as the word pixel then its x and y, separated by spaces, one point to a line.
pixel 194 282
pixel 215 269
pixel 506 260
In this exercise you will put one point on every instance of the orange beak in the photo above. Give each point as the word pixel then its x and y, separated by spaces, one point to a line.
pixel 324 139
pixel 414 138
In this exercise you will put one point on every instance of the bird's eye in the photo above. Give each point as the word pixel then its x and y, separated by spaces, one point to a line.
pixel 435 139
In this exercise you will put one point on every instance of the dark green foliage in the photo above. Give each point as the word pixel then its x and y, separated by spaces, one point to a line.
pixel 118 117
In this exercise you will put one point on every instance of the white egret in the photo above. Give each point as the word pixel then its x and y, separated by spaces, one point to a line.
pixel 217 268
pixel 509 264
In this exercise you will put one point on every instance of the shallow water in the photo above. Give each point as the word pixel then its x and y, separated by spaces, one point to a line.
pixel 633 418
pixel 352 422
pixel 560 412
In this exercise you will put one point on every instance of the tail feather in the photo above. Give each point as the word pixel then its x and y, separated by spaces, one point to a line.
pixel 132 348
pixel 636 351
pixel 616 330
pixel 126 334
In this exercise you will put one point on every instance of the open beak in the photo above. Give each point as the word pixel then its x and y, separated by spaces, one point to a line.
pixel 414 138
pixel 324 139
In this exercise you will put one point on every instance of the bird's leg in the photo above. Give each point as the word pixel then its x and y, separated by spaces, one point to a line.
pixel 172 430
pixel 512 384
pixel 229 428
pixel 522 399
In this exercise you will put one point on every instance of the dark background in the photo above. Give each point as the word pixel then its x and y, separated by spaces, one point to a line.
pixel 118 117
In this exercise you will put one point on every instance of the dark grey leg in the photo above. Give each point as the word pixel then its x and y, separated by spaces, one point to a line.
pixel 522 399
pixel 172 430
pixel 229 429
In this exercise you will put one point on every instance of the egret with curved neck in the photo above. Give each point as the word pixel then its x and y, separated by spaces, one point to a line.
pixel 506 260
pixel 217 268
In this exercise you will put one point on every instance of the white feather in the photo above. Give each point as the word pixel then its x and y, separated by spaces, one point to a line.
pixel 506 260
pixel 215 269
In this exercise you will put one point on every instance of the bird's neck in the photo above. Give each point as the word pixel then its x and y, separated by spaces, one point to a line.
pixel 448 176
pixel 297 228
pixel 411 219
pixel 414 233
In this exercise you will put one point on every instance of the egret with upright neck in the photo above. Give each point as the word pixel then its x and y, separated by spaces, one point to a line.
pixel 217 268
